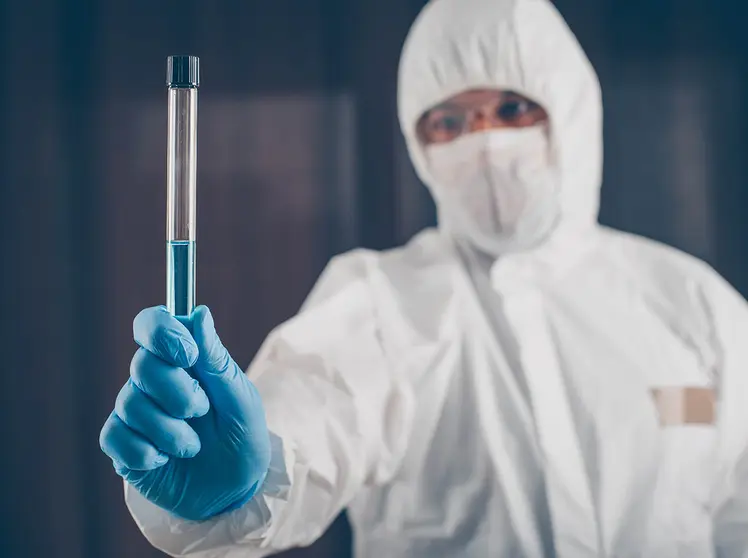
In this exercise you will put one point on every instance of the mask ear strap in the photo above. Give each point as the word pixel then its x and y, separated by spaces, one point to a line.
pixel 554 156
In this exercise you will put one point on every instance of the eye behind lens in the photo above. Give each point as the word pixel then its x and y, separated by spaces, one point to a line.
pixel 512 110
pixel 450 123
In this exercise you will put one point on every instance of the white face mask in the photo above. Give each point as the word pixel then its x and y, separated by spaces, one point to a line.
pixel 496 188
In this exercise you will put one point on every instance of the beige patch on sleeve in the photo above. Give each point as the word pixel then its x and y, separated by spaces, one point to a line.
pixel 680 405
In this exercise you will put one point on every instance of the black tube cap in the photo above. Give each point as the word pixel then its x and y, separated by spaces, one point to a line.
pixel 183 71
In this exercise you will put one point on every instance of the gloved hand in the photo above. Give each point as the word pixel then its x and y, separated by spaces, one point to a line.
pixel 188 429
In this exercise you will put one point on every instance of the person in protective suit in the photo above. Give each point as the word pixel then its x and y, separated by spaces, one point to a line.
pixel 518 382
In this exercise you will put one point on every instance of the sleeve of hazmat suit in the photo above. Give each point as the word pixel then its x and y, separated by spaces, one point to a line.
pixel 339 420
pixel 729 313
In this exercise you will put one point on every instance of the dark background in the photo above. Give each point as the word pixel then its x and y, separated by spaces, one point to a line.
pixel 300 158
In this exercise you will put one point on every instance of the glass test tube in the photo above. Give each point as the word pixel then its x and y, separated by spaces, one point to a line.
pixel 183 79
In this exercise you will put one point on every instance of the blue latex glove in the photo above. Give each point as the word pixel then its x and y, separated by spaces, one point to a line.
pixel 188 429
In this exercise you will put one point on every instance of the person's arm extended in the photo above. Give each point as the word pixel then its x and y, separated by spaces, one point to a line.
pixel 338 417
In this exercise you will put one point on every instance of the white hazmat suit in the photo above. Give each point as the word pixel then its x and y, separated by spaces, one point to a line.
pixel 551 399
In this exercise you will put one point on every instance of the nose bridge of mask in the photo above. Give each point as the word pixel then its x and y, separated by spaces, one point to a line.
pixel 496 148
pixel 509 143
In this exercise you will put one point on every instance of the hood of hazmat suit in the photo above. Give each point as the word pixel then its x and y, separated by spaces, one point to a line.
pixel 527 48
pixel 531 385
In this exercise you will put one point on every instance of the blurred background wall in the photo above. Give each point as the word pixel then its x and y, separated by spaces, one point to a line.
pixel 300 158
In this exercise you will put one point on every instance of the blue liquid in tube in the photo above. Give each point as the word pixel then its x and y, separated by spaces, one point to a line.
pixel 180 269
